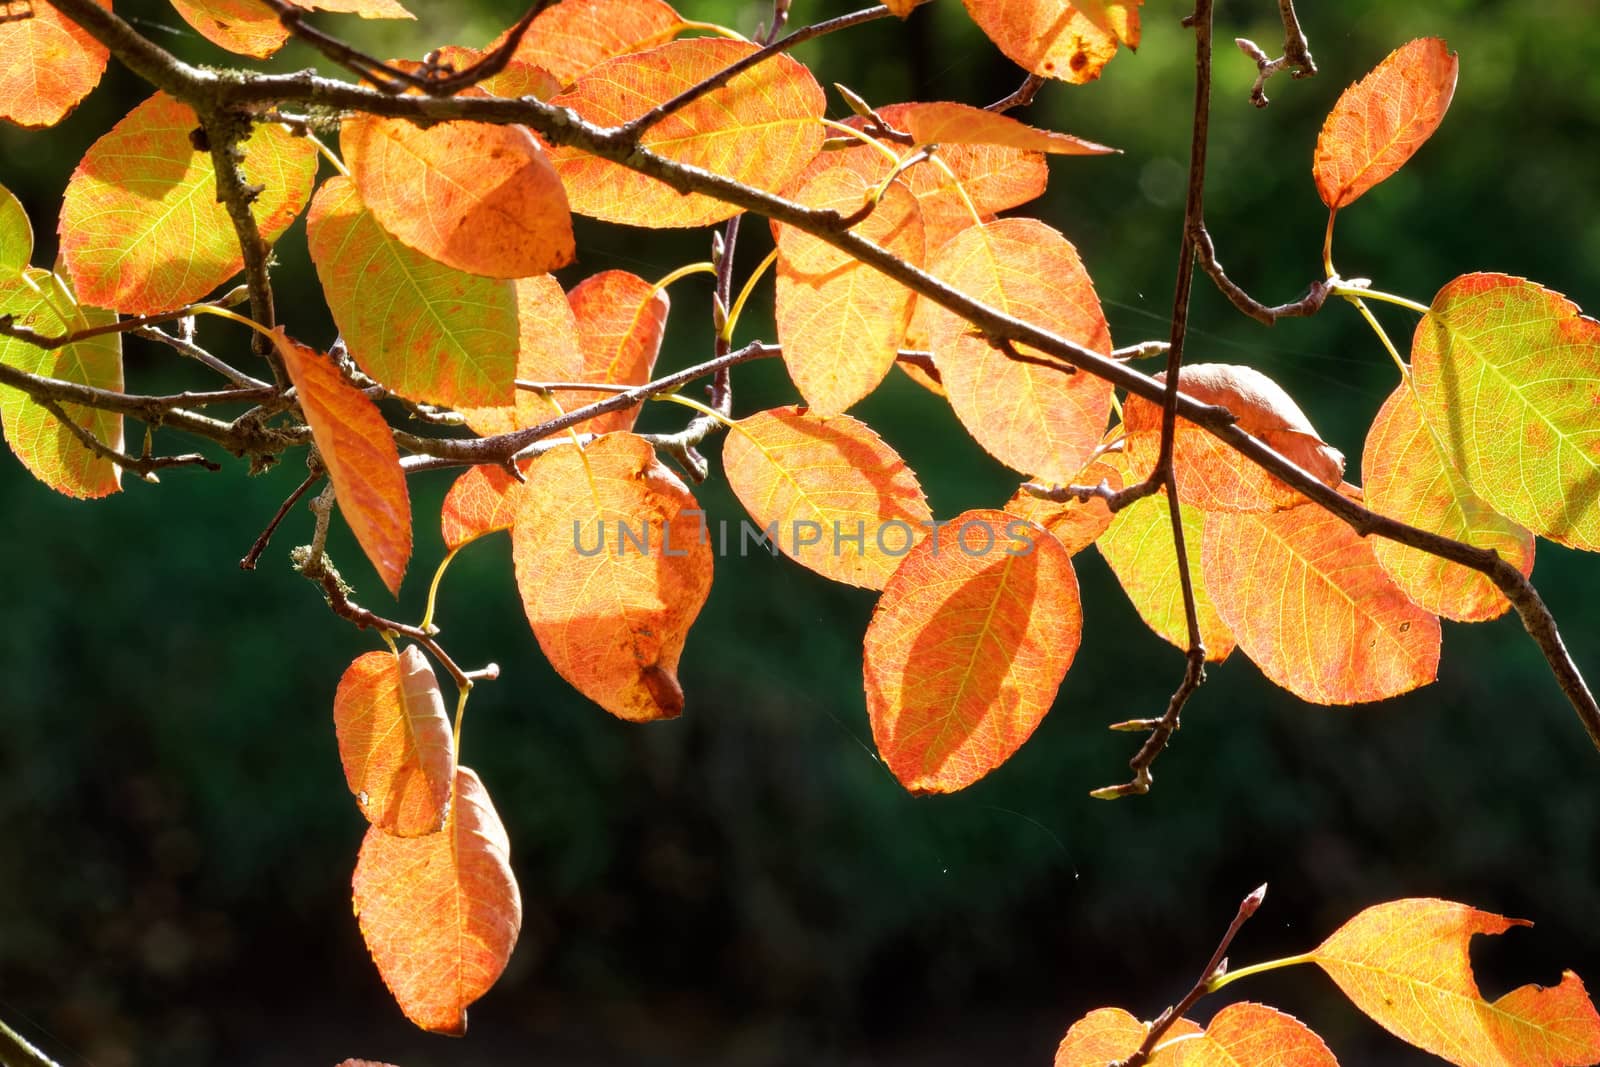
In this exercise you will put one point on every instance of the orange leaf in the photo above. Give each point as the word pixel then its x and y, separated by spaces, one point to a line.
pixel 613 567
pixel 1381 120
pixel 621 320
pixel 45 445
pixel 50 64
pixel 547 350
pixel 440 914
pixel 948 123
pixel 367 9
pixel 244 26
pixel 1310 605
pixel 359 452
pixel 760 129
pixel 429 332
pixel 1070 40
pixel 395 742
pixel 481 501
pixel 1037 420
pixel 1405 964
pixel 1251 1034
pixel 141 229
pixel 1075 523
pixel 967 647
pixel 571 38
pixel 840 321
pixel 478 197
pixel 1409 477
pixel 821 484
pixel 1214 477
pixel 1110 1035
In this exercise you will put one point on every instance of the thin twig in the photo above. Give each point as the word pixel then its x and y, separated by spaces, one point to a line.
pixel 1306 306
pixel 9 327
pixel 1022 97
pixel 193 351
pixel 251 557
pixel 226 131
pixel 145 466
pixel 1296 56
pixel 15 1050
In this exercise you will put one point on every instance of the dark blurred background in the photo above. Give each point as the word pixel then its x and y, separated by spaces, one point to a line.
pixel 748 885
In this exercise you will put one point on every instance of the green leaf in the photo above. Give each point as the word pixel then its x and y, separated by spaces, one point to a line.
pixel 16 235
pixel 44 444
pixel 1508 376
pixel 429 332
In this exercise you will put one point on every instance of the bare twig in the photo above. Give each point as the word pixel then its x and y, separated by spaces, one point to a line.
pixel 1308 305
pixel 251 557
pixel 188 348
pixel 9 326
pixel 145 466
pixel 226 132
pixel 1021 98
pixel 1296 56
pixel 15 1050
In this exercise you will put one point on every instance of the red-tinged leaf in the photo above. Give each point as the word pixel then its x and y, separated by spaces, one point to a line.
pixel 1138 547
pixel 573 37
pixel 761 129
pixel 45 445
pixel 395 742
pixel 1214 477
pixel 967 647
pixel 1405 964
pixel 948 123
pixel 244 26
pixel 841 501
pixel 1037 420
pixel 1108 1036
pixel 1070 40
pixel 1309 603
pixel 477 197
pixel 50 65
pixel 427 331
pixel 1508 376
pixel 1409 477
pixel 1381 120
pixel 547 351
pixel 621 320
pixel 441 913
pixel 514 80
pixel 481 501
pixel 1247 1034
pixel 16 237
pixel 141 228
pixel 359 452
pixel 840 321
pixel 367 9
pixel 613 566
pixel 1077 524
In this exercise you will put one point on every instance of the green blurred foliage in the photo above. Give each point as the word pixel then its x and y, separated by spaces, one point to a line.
pixel 748 885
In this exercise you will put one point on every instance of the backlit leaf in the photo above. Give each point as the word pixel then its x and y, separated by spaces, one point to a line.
pixel 547 350
pixel 613 566
pixel 1248 1035
pixel 474 196
pixel 1409 477
pixel 52 452
pixel 760 129
pixel 50 64
pixel 621 321
pixel 1110 1035
pixel 16 236
pixel 1508 376
pixel 367 9
pixel 427 331
pixel 244 26
pixel 480 501
pixel 1070 40
pixel 843 502
pixel 1215 477
pixel 966 649
pixel 440 914
pixel 359 452
pixel 1075 523
pixel 141 228
pixel 1381 120
pixel 1405 964
pixel 514 80
pixel 572 37
pixel 950 123
pixel 1308 602
pixel 1037 420
pixel 840 321
pixel 395 741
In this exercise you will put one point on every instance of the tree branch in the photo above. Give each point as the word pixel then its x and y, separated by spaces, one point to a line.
pixel 1296 55
pixel 1305 307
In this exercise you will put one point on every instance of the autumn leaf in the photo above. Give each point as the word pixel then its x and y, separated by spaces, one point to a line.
pixel 1508 376
pixel 1070 40
pixel 477 197
pixel 359 452
pixel 570 38
pixel 613 566
pixel 367 9
pixel 1110 1035
pixel 1405 964
pixel 16 236
pixel 50 65
pixel 840 321
pixel 950 123
pixel 1213 476
pixel 1381 120
pixel 427 331
pixel 1075 523
pixel 244 26
pixel 621 320
pixel 547 350
pixel 966 649
pixel 1038 420
pixel 441 913
pixel 760 129
pixel 45 445
pixel 1308 602
pixel 841 501
pixel 141 228
pixel 481 501
pixel 1248 1034
pixel 1409 477
pixel 395 742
